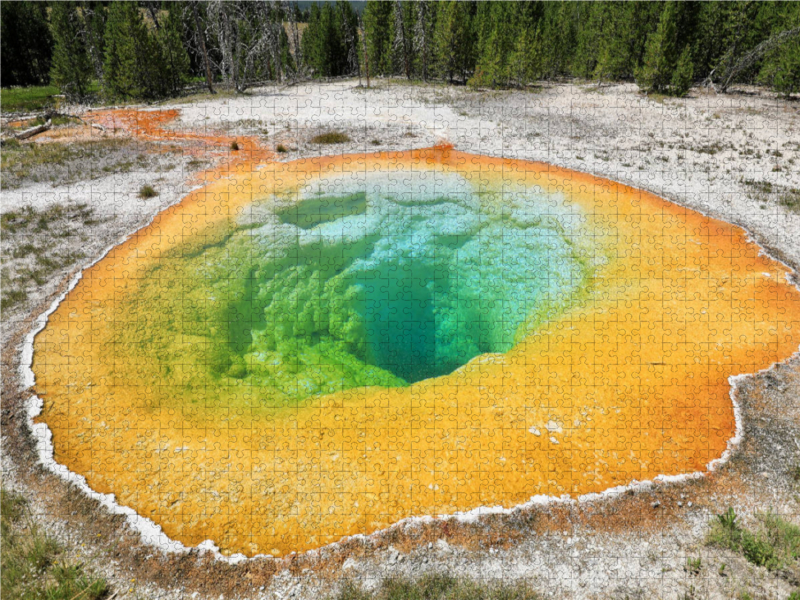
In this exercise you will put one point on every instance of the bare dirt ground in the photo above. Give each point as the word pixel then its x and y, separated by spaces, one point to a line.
pixel 734 157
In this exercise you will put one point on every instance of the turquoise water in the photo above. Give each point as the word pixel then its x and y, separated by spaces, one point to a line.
pixel 389 280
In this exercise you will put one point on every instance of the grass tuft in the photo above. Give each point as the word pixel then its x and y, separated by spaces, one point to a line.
pixel 694 565
pixel 281 148
pixel 234 146
pixel 790 199
pixel 147 191
pixel 331 137
pixel 30 560
pixel 775 543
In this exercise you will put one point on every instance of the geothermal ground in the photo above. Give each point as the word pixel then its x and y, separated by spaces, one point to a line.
pixel 731 157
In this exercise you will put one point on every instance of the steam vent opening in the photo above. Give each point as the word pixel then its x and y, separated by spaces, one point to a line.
pixel 304 351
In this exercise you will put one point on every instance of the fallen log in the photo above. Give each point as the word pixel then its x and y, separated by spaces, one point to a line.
pixel 24 135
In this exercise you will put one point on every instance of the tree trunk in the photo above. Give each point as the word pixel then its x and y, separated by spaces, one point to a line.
pixel 203 48
pixel 366 55
pixel 24 135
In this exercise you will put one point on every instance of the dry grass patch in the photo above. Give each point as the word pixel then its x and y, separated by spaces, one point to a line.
pixel 33 563
pixel 63 163
pixel 331 137
pixel 37 244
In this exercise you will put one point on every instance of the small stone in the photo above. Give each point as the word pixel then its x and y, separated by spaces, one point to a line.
pixel 656 504
pixel 689 505
pixel 680 503
pixel 348 564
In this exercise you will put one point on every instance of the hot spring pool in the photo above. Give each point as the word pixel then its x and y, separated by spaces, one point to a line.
pixel 304 351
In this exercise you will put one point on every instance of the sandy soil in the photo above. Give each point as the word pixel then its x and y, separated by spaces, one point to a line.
pixel 733 157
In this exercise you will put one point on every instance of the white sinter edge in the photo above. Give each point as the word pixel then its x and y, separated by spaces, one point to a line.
pixel 153 534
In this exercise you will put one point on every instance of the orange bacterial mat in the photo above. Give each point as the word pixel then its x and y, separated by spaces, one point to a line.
pixel 172 377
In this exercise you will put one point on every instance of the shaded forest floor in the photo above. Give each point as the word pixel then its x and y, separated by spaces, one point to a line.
pixel 70 194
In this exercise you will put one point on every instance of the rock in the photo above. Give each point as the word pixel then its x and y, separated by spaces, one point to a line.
pixel 656 504
pixel 349 564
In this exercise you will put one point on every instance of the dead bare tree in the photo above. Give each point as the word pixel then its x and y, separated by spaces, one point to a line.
pixel 294 34
pixel 90 27
pixel 363 28
pixel 152 8
pixel 200 33
pixel 422 41
pixel 731 65
pixel 246 39
pixel 351 41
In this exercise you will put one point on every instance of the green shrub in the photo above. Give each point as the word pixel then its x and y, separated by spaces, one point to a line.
pixel 147 191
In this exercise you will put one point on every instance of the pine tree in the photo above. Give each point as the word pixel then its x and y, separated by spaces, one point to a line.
pixel 660 57
pixel 93 15
pixel 785 72
pixel 72 68
pixel 559 33
pixel 526 64
pixel 491 68
pixel 131 56
pixel 683 73
pixel 347 22
pixel 378 27
pixel 312 41
pixel 330 42
pixel 589 34
pixel 175 68
pixel 27 45
pixel 424 27
pixel 780 67
pixel 626 26
pixel 454 39
pixel 403 16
